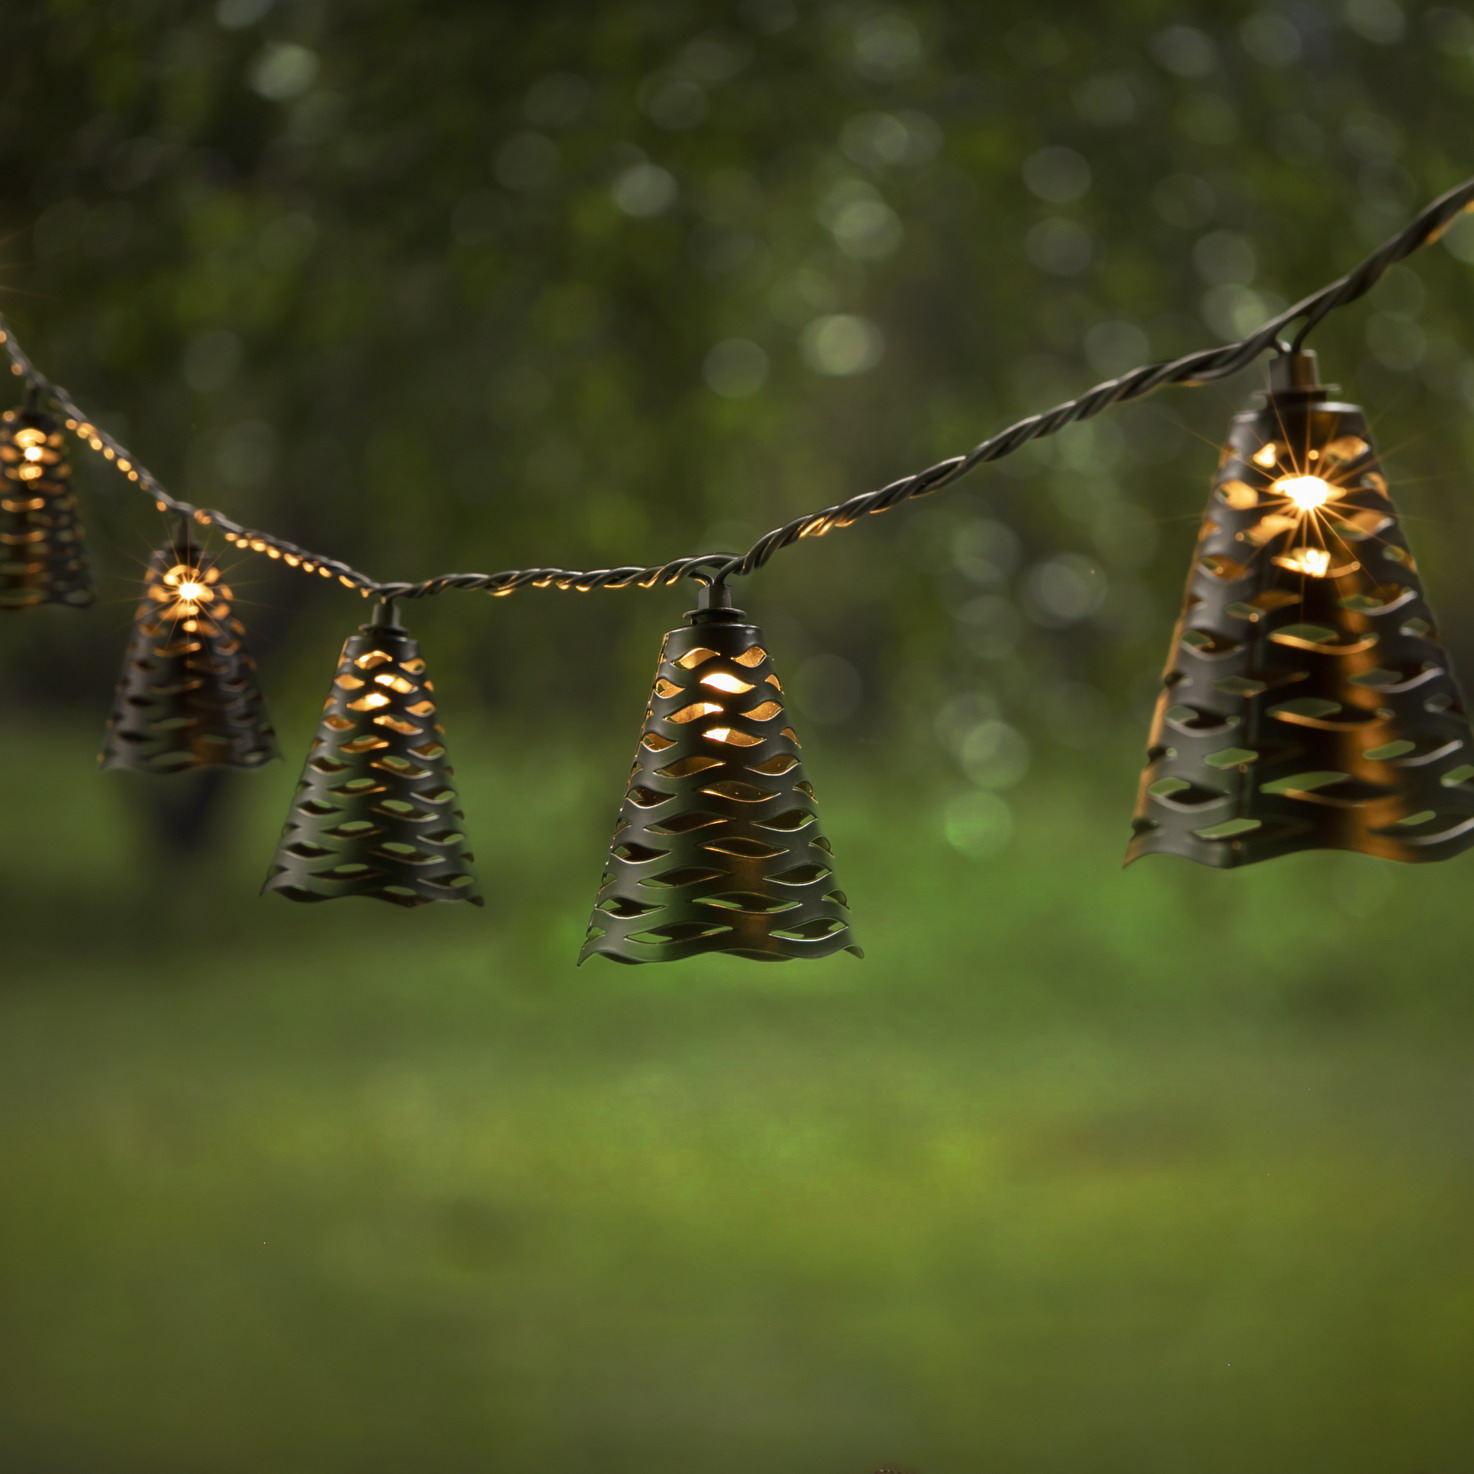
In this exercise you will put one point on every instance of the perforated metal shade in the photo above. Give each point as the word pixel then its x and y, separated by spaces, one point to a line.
pixel 376 813
pixel 1307 702
pixel 42 556
pixel 717 846
pixel 187 695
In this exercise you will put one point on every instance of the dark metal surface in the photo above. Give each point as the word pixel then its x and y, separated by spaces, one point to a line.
pixel 717 846
pixel 1193 368
pixel 43 559
pixel 1308 703
pixel 187 695
pixel 375 813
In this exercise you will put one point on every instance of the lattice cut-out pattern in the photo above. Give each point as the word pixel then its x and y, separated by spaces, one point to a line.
pixel 376 812
pixel 1307 702
pixel 717 846
pixel 187 695
pixel 42 556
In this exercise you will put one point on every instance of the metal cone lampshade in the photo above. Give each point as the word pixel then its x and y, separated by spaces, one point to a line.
pixel 1307 701
pixel 376 813
pixel 42 556
pixel 187 696
pixel 717 846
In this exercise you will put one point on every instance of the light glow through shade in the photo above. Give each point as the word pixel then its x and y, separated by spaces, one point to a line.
pixel 721 681
pixel 1313 561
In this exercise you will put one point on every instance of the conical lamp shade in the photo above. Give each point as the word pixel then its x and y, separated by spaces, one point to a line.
pixel 376 813
pixel 42 556
pixel 717 847
pixel 1307 701
pixel 187 695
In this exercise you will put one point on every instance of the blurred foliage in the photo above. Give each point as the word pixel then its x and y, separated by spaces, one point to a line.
pixel 457 288
pixel 1070 1174
pixel 480 286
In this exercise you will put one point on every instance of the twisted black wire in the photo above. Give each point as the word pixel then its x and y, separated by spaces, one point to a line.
pixel 1195 368
pixel 39 386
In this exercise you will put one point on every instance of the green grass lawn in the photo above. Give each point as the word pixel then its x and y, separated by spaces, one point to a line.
pixel 1079 1172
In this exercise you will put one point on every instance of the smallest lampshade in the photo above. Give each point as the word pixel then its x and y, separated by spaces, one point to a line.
pixel 42 556
pixel 376 812
pixel 187 696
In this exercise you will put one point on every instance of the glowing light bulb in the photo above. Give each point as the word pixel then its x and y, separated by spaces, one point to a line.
pixel 723 682
pixel 1305 492
pixel 33 452
pixel 188 585
pixel 188 588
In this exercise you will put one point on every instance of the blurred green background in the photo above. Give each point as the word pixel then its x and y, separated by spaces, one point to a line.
pixel 1080 1171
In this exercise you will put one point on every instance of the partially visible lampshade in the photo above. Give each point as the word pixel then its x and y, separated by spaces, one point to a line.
pixel 187 695
pixel 42 556
pixel 1307 701
pixel 717 847
pixel 376 812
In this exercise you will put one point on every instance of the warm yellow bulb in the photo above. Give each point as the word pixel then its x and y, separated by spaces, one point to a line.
pixel 33 452
pixel 1305 492
pixel 187 583
pixel 188 587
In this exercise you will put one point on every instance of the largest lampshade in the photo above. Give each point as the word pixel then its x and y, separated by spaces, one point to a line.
pixel 1307 702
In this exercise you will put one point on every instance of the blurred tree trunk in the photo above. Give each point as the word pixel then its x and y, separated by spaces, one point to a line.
pixel 179 817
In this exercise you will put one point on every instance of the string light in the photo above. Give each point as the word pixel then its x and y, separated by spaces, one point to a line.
pixel 717 846
pixel 187 696
pixel 42 557
pixel 1308 702
pixel 376 813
